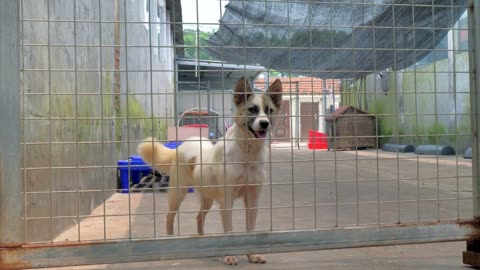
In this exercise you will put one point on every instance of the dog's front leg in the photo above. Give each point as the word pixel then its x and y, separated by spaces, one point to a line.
pixel 226 211
pixel 250 200
pixel 206 204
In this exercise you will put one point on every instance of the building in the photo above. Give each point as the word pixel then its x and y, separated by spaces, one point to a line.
pixel 306 103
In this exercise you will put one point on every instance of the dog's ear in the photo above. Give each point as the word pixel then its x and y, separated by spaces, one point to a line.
pixel 242 91
pixel 275 92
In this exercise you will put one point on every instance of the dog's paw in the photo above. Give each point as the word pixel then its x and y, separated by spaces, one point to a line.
pixel 256 259
pixel 230 260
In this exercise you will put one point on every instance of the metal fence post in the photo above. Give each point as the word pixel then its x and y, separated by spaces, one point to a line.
pixel 474 39
pixel 10 159
pixel 472 255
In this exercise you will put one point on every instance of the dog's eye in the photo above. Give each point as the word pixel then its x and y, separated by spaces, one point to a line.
pixel 253 109
pixel 269 110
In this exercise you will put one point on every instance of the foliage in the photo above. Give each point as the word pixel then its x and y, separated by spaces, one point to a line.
pixel 189 39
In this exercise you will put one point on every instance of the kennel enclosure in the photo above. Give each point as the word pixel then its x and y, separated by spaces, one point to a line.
pixel 84 81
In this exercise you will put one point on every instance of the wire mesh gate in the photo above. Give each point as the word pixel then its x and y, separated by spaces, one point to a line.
pixel 99 76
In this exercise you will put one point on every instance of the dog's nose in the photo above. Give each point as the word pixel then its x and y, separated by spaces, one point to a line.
pixel 264 124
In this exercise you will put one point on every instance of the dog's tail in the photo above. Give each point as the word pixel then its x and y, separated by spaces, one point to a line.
pixel 156 154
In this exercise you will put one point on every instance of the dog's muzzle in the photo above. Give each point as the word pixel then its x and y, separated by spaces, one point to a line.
pixel 262 133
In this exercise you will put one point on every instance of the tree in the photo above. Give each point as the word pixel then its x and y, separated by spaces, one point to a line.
pixel 189 39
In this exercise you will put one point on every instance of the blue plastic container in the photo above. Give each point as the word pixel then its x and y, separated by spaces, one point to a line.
pixel 173 144
pixel 136 168
pixel 131 171
pixel 122 175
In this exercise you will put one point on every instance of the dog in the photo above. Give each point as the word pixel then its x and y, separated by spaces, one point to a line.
pixel 232 168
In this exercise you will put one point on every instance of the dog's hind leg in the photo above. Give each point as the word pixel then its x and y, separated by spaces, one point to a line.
pixel 205 206
pixel 176 195
pixel 175 198
pixel 250 200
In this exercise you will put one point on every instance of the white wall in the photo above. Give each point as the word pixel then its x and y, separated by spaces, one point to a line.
pixel 331 100
pixel 74 85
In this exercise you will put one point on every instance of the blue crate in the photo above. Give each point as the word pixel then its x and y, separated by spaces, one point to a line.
pixel 134 167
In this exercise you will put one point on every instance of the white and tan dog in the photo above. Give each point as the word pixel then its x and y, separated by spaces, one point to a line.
pixel 232 168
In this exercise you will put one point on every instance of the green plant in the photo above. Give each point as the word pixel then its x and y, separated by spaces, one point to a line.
pixel 190 42
pixel 436 130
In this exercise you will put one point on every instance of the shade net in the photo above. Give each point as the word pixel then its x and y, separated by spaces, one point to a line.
pixel 335 38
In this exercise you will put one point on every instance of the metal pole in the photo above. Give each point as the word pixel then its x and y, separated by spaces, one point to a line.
pixel 474 44
pixel 297 113
pixel 117 75
pixel 325 104
pixel 11 201
pixel 210 129
pixel 267 79
pixel 471 256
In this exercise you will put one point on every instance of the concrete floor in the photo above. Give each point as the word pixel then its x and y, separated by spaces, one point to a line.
pixel 350 188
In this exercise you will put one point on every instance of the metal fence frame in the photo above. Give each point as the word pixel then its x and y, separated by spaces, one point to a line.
pixel 474 21
pixel 14 254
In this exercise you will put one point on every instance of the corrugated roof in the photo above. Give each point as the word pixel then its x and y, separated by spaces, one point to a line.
pixel 212 75
pixel 306 85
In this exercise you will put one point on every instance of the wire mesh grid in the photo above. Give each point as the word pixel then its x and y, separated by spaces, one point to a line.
pixel 100 76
